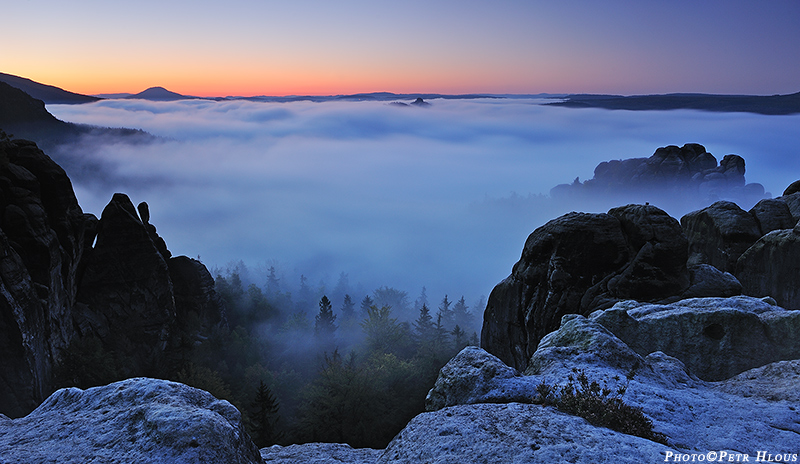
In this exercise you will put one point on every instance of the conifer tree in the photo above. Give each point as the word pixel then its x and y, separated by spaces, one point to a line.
pixel 348 309
pixel 446 313
pixel 264 417
pixel 324 326
pixel 424 328
pixel 462 317
pixel 366 303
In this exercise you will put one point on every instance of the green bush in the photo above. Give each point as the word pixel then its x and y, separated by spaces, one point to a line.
pixel 600 405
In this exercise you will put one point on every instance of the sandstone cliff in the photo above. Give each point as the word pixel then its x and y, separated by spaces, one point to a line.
pixel 65 276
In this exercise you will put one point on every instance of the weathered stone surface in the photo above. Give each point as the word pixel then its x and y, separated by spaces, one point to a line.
pixel 772 214
pixel 734 415
pixel 778 381
pixel 319 453
pixel 578 263
pixel 126 292
pixel 771 267
pixel 794 187
pixel 136 420
pixel 716 338
pixel 708 281
pixel 41 243
pixel 719 234
pixel 472 376
pixel 513 433
pixel 793 202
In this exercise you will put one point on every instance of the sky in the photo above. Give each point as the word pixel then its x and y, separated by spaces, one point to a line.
pixel 267 47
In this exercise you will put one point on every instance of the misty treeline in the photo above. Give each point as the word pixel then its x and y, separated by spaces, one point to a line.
pixel 309 363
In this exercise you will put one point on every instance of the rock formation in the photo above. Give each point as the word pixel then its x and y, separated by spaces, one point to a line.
pixel 58 284
pixel 771 267
pixel 42 240
pixel 688 172
pixel 579 263
pixel 136 420
pixel 716 338
pixel 125 295
pixel 719 234
pixel 696 416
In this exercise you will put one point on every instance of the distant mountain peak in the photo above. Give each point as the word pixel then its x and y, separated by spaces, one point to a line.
pixel 159 94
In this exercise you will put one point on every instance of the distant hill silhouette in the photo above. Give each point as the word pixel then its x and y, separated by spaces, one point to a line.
pixel 47 93
pixel 159 94
pixel 774 104
pixel 26 117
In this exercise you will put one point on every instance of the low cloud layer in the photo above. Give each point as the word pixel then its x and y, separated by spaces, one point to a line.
pixel 441 197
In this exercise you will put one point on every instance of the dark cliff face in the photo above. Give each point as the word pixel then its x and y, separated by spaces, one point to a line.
pixel 579 263
pixel 41 236
pixel 65 275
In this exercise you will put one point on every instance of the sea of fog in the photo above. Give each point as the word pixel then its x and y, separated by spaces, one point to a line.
pixel 441 196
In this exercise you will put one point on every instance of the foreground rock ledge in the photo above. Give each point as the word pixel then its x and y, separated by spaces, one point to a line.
pixel 137 420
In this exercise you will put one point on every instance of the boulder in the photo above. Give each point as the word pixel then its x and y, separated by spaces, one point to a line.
pixel 719 234
pixel 793 202
pixel 513 432
pixel 579 263
pixel 771 267
pixel 319 453
pixel 794 187
pixel 772 214
pixel 708 281
pixel 716 338
pixel 472 376
pixel 136 420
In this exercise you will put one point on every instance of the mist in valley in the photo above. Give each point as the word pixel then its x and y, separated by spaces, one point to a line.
pixel 441 197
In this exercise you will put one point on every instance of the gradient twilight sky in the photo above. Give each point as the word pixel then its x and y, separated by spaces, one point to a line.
pixel 267 47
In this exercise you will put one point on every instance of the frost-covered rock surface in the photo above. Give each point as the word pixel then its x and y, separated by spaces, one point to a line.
pixel 513 433
pixel 319 453
pixel 133 421
pixel 754 411
pixel 716 338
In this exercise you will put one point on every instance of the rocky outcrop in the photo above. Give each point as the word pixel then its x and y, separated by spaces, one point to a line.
pixel 136 420
pixel 65 275
pixel 125 294
pixel 579 263
pixel 41 244
pixel 473 376
pixel 513 432
pixel 194 292
pixel 719 234
pixel 793 202
pixel 771 267
pixel 689 172
pixel 716 338
pixel 736 414
pixel 706 280
pixel 794 187
pixel 772 214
